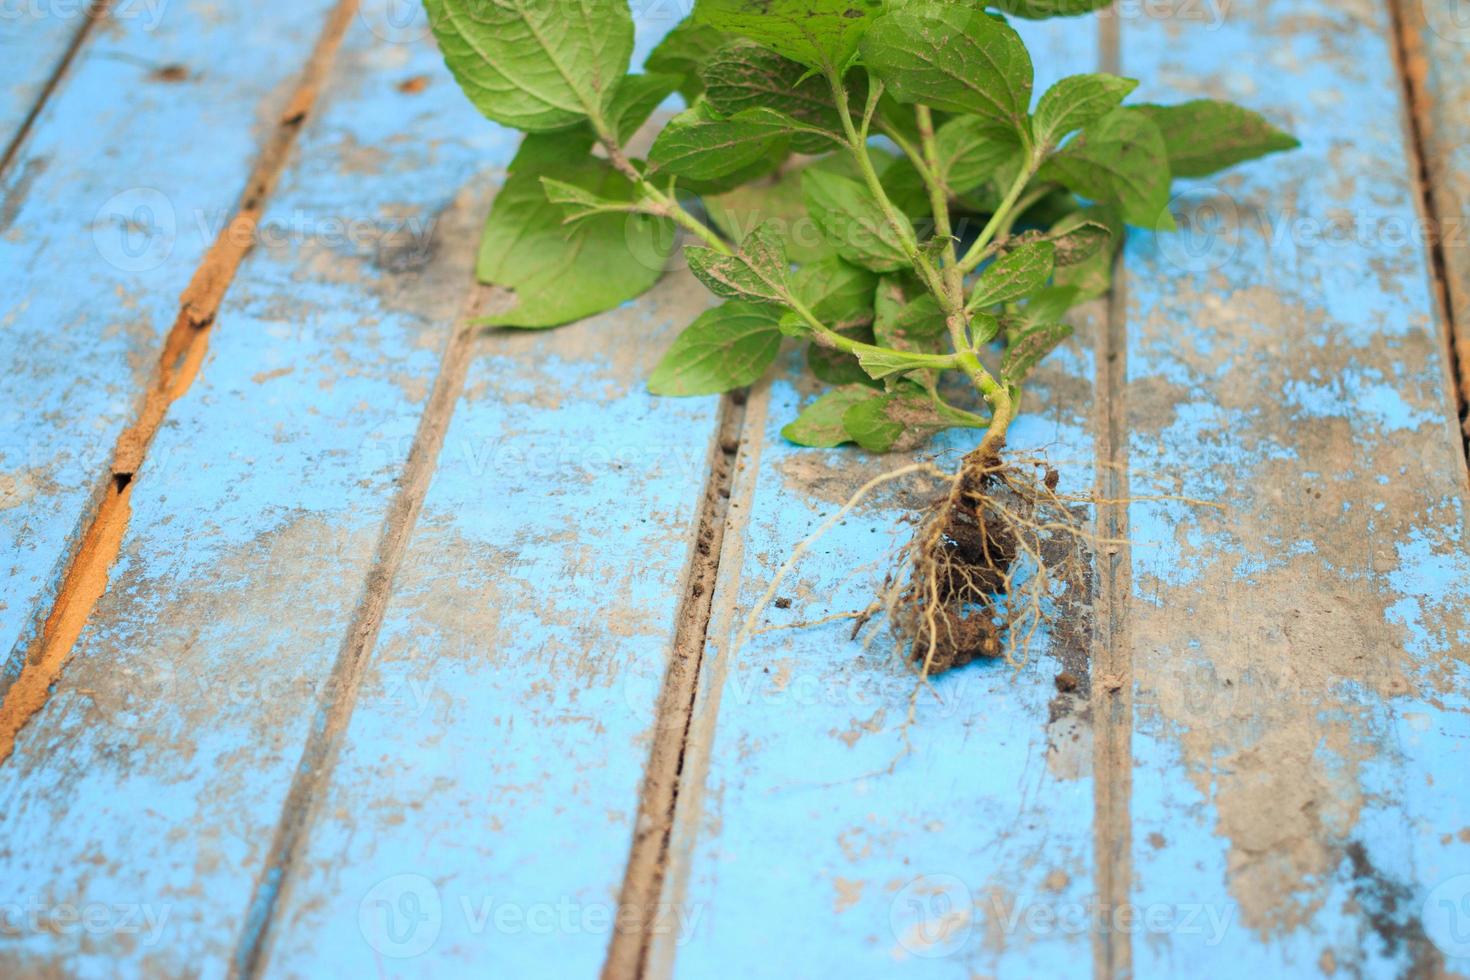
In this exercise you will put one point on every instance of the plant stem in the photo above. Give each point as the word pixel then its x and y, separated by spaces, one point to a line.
pixel 977 251
pixel 954 280
pixel 665 205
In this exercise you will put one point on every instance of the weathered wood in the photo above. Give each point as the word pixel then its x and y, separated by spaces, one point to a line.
pixel 109 206
pixel 490 772
pixel 154 777
pixel 34 41
pixel 1301 768
pixel 1437 59
pixel 794 843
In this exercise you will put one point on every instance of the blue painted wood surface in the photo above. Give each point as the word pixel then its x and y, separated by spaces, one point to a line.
pixel 1298 779
pixel 1302 748
pixel 109 206
pixel 155 775
pixel 793 844
pixel 34 38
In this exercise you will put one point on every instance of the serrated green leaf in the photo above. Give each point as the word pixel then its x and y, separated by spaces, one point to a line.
pixel 701 144
pixel 852 221
pixel 744 75
pixel 758 272
pixel 820 424
pixel 817 33
pixel 1042 9
pixel 971 151
pixel 952 57
pixel 1120 158
pixel 1077 101
pixel 536 65
pixel 1205 136
pixel 837 292
pixel 902 419
pixel 1093 276
pixel 881 362
pixel 559 272
pixel 1078 238
pixel 577 203
pixel 634 101
pixel 1020 271
pixel 1026 349
pixel 908 318
pixel 727 347
pixel 683 53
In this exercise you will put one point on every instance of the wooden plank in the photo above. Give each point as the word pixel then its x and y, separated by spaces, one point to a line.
pixel 112 187
pixel 1437 59
pixel 34 41
pixel 1302 766
pixel 489 776
pixel 154 777
pixel 793 843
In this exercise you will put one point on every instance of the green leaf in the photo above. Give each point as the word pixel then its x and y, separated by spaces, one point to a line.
pixel 703 145
pixel 880 362
pixel 1120 158
pixel 908 318
pixel 1205 136
pixel 683 53
pixel 1041 9
pixel 820 423
pixel 952 57
pixel 1020 271
pixel 817 33
pixel 1046 306
pixel 727 347
pixel 852 221
pixel 634 101
pixel 837 292
pixel 1092 276
pixel 1078 238
pixel 758 272
pixel 1026 349
pixel 577 203
pixel 1077 101
pixel 838 367
pixel 743 76
pixel 562 273
pixel 971 151
pixel 536 65
pixel 902 419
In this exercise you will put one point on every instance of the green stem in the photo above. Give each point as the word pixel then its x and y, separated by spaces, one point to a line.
pixel 954 280
pixel 977 251
pixel 665 205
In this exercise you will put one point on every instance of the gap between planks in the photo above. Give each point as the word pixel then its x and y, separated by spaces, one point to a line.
pixel 183 352
pixel 1112 658
pixel 95 12
pixel 1412 65
pixel 658 798
pixel 323 746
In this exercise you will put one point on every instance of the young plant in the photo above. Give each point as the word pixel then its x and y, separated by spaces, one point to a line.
pixel 871 179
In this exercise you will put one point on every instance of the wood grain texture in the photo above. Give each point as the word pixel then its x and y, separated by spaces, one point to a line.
pixel 793 843
pixel 109 206
pixel 1301 682
pixel 155 775
pixel 1437 61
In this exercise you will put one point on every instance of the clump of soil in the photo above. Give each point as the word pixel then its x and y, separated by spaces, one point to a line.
pixel 960 595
